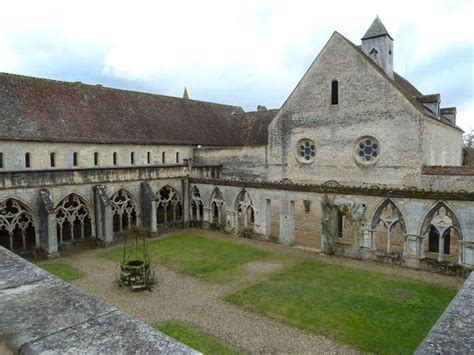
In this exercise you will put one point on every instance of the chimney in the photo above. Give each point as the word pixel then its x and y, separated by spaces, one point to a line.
pixel 261 108
pixel 449 113
pixel 431 102
pixel 378 45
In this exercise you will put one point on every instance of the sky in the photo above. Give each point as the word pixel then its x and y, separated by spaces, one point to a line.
pixel 242 52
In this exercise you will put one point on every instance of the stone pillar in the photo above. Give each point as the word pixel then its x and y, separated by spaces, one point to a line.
pixel 148 207
pixel 412 250
pixel 287 222
pixel 104 215
pixel 206 222
pixel 268 217
pixel 48 234
pixel 186 205
pixel 229 220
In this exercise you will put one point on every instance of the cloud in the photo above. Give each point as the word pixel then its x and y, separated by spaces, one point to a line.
pixel 238 52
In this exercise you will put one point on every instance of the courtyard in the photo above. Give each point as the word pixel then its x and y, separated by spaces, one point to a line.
pixel 223 294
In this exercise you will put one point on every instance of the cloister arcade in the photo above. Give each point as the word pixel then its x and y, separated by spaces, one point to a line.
pixel 389 227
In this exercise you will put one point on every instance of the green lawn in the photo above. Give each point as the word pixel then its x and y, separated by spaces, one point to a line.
pixel 194 338
pixel 61 270
pixel 195 255
pixel 368 311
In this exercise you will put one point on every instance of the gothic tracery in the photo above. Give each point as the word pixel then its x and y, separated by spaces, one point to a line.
pixel 124 210
pixel 17 229
pixel 73 219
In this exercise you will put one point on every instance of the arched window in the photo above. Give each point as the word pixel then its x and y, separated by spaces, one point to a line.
pixel 442 233
pixel 17 229
pixel 73 219
pixel 334 92
pixel 27 160
pixel 218 207
pixel 124 211
pixel 197 207
pixel 389 229
pixel 168 206
pixel 244 210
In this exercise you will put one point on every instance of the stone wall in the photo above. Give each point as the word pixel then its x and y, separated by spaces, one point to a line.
pixel 442 144
pixel 453 332
pixel 14 155
pixel 42 314
pixel 237 162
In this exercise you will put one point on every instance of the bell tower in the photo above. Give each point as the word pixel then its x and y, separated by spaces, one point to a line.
pixel 378 45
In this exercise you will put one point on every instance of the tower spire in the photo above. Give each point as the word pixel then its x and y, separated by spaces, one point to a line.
pixel 185 93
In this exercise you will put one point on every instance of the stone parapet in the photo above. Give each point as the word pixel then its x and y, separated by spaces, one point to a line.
pixel 42 314
pixel 453 332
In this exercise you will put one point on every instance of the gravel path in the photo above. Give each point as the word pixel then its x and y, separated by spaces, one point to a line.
pixel 190 300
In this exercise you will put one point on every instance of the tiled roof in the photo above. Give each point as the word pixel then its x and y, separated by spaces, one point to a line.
pixel 47 110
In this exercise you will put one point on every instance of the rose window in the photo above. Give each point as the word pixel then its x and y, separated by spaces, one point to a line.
pixel 306 150
pixel 367 149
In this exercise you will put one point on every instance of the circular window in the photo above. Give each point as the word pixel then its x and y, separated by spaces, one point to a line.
pixel 306 151
pixel 367 150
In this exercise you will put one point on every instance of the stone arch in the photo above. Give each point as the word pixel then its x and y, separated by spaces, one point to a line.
pixel 124 210
pixel 388 228
pixel 244 211
pixel 217 207
pixel 73 219
pixel 168 206
pixel 197 205
pixel 17 226
pixel 442 233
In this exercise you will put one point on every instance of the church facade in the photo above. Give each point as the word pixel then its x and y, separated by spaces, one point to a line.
pixel 356 162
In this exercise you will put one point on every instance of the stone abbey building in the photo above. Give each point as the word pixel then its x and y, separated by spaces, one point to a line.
pixel 356 162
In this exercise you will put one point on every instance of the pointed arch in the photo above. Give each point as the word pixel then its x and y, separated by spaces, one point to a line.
pixel 168 206
pixel 244 210
pixel 17 226
pixel 73 219
pixel 197 205
pixel 217 207
pixel 124 210
pixel 442 233
pixel 388 228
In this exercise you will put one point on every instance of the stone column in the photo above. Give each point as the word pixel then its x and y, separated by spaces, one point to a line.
pixel 268 217
pixel 206 222
pixel 287 222
pixel 148 207
pixel 104 215
pixel 186 205
pixel 413 250
pixel 48 234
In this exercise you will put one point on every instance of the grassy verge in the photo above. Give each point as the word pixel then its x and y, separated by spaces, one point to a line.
pixel 195 255
pixel 366 310
pixel 194 338
pixel 61 270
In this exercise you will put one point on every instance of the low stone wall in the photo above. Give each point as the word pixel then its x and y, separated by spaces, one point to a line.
pixel 453 332
pixel 41 314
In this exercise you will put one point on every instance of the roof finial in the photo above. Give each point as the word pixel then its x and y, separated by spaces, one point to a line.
pixel 185 93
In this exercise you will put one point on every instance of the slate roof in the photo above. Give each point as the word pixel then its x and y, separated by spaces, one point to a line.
pixel 376 29
pixel 47 110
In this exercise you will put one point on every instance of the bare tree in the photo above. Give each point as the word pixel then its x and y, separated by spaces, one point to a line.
pixel 469 139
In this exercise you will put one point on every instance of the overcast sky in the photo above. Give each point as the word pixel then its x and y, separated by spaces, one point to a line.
pixel 236 52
